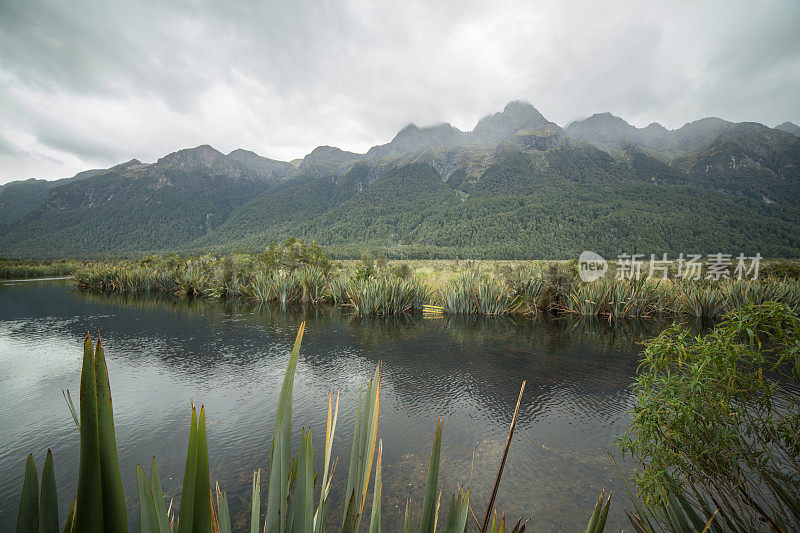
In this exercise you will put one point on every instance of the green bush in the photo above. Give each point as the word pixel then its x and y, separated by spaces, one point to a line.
pixel 717 417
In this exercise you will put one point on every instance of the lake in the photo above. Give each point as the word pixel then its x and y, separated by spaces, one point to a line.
pixel 231 357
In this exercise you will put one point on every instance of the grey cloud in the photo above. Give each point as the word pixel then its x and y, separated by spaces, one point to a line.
pixel 88 83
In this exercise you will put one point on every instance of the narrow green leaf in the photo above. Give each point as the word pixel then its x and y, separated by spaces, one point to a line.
pixel 48 503
pixel 186 517
pixel 365 435
pixel 371 433
pixel 450 525
pixel 201 523
pixel 71 407
pixel 279 467
pixel 375 517
pixel 89 507
pixel 352 473
pixel 330 429
pixel 350 515
pixel 70 524
pixel 148 521
pixel 459 512
pixel 595 516
pixel 28 517
pixel 255 503
pixel 114 515
pixel 601 523
pixel 158 498
pixel 407 522
pixel 428 520
pixel 302 505
pixel 224 514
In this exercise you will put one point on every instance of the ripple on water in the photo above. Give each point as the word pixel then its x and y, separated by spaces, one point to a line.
pixel 231 359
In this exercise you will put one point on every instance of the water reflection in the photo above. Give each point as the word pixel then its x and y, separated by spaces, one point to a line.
pixel 231 356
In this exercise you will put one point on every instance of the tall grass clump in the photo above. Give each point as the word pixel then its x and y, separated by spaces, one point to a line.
pixel 281 286
pixel 458 295
pixel 386 295
pixel 702 300
pixel 314 281
pixel 286 287
pixel 37 269
pixel 617 299
pixel 338 290
pixel 477 293
pixel 590 299
pixel 530 285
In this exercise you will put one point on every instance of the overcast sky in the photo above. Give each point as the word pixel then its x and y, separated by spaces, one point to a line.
pixel 87 84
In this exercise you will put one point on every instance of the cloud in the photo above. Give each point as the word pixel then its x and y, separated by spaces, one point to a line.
pixel 89 84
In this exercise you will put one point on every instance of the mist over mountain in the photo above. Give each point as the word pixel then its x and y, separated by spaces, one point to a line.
pixel 517 185
pixel 789 127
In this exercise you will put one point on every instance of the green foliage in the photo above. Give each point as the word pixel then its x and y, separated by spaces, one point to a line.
pixel 402 271
pixel 386 295
pixel 597 521
pixel 295 255
pixel 430 505
pixel 552 205
pixel 28 517
pixel 37 269
pixel 550 287
pixel 475 293
pixel 100 501
pixel 781 269
pixel 717 418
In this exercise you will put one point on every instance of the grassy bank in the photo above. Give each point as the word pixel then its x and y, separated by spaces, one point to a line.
pixel 37 269
pixel 375 287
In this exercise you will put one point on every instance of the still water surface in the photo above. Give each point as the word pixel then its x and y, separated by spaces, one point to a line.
pixel 231 357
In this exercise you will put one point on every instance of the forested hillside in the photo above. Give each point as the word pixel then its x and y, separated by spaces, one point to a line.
pixel 516 186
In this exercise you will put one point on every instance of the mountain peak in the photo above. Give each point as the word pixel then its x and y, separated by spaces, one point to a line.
pixel 407 129
pixel 789 127
pixel 413 134
pixel 602 119
pixel 655 126
pixel 260 166
pixel 521 107
pixel 517 115
pixel 326 158
pixel 203 155
pixel 603 129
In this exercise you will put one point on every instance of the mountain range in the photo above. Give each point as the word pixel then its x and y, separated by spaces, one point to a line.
pixel 516 186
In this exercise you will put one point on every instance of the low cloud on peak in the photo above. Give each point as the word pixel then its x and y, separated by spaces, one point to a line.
pixel 89 84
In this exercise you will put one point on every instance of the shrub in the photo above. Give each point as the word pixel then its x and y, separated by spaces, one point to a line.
pixel 717 417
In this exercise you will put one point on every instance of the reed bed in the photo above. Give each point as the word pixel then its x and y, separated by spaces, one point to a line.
pixel 37 269
pixel 703 300
pixel 552 288
pixel 475 293
pixel 386 295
